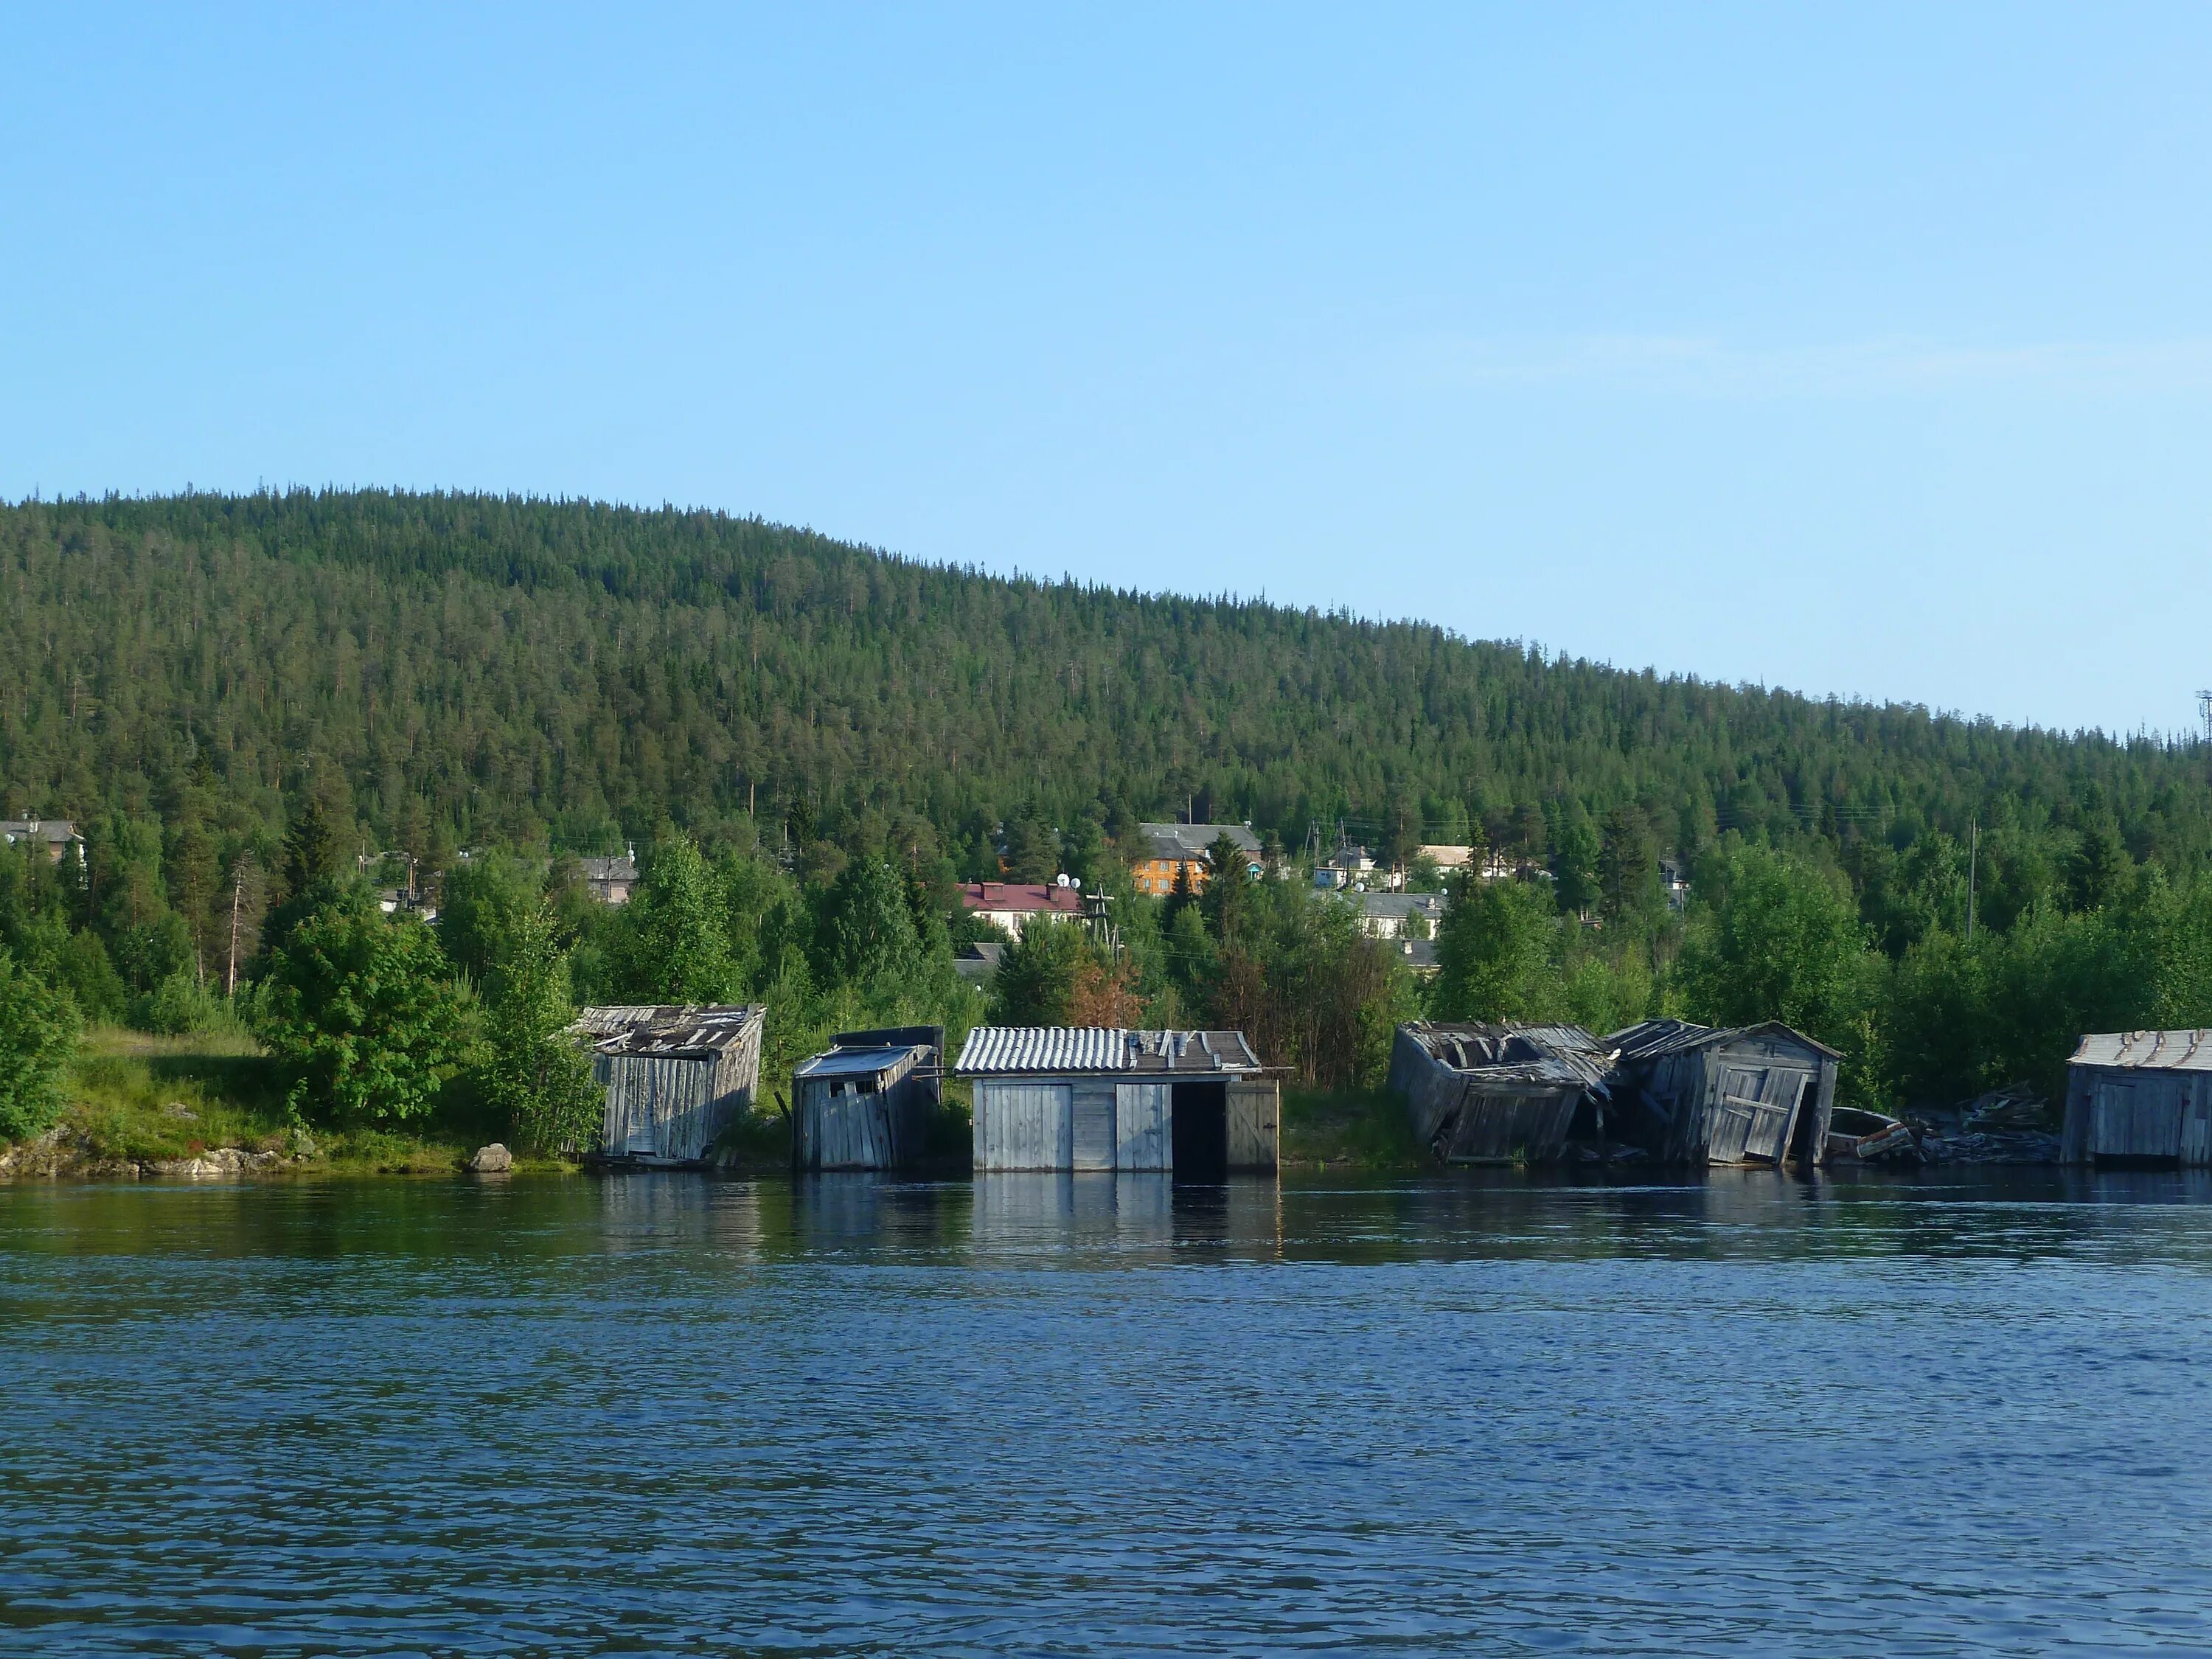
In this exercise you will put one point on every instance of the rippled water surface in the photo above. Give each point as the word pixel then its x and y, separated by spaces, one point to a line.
pixel 1045 1416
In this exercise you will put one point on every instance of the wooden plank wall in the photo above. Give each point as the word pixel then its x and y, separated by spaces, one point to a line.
pixel 1026 1124
pixel 1142 1115
pixel 1429 1087
pixel 1498 1125
pixel 1255 1131
pixel 1092 1140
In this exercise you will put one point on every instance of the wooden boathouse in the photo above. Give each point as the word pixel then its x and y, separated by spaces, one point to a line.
pixel 2140 1098
pixel 1197 1104
pixel 865 1101
pixel 675 1077
pixel 1496 1094
pixel 1746 1094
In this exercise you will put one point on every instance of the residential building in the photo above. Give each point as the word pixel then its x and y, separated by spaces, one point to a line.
pixel 1171 849
pixel 1013 905
pixel 611 880
pixel 57 836
pixel 1386 915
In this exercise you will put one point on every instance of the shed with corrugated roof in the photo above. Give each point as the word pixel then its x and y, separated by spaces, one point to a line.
pixel 865 1101
pixel 1743 1094
pixel 2140 1098
pixel 676 1075
pixel 1496 1094
pixel 1197 1104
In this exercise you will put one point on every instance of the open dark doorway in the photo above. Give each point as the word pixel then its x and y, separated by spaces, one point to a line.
pixel 1198 1121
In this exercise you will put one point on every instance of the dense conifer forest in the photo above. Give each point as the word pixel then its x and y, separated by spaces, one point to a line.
pixel 474 669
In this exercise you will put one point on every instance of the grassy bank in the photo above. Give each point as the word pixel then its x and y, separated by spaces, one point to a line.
pixel 1353 1129
pixel 135 1099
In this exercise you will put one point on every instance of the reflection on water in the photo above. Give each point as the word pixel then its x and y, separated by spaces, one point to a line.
pixel 1492 1412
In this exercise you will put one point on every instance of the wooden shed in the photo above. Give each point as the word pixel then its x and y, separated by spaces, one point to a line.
pixel 675 1076
pixel 1496 1094
pixel 1197 1104
pixel 864 1103
pixel 2140 1098
pixel 1746 1094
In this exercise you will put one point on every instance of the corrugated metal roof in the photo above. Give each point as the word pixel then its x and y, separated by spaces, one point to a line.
pixel 1061 1049
pixel 1654 1037
pixel 2148 1051
pixel 855 1062
pixel 667 1028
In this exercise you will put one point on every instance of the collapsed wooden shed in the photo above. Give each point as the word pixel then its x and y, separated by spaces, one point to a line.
pixel 864 1103
pixel 1746 1094
pixel 2140 1098
pixel 1496 1094
pixel 675 1076
pixel 1197 1104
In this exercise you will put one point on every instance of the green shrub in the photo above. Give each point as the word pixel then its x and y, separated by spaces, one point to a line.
pixel 38 1034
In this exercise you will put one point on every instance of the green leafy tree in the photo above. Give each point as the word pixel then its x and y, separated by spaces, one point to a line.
pixel 866 935
pixel 1036 978
pixel 38 1034
pixel 482 906
pixel 674 948
pixel 534 1072
pixel 1494 952
pixel 1786 943
pixel 363 1012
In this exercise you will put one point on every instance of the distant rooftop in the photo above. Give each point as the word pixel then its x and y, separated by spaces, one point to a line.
pixel 1190 841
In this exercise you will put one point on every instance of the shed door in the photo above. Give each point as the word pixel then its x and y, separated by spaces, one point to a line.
pixel 1141 1115
pixel 2138 1117
pixel 1024 1126
pixel 1757 1105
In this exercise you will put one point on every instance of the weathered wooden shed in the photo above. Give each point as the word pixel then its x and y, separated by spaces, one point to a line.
pixel 1496 1094
pixel 2140 1098
pixel 864 1103
pixel 1197 1104
pixel 675 1076
pixel 1745 1094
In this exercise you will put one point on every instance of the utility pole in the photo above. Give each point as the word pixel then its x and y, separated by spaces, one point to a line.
pixel 1974 864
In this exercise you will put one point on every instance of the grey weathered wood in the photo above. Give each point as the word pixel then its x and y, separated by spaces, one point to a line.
pixel 1256 1135
pixel 1142 1137
pixel 1024 1125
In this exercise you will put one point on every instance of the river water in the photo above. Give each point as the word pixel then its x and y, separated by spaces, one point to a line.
pixel 1038 1415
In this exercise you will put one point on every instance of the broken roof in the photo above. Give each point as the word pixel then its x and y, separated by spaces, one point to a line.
pixel 1550 1054
pixel 1652 1038
pixel 677 1030
pixel 992 1050
pixel 2148 1051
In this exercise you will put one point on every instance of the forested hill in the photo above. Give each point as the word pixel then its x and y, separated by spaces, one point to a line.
pixel 497 669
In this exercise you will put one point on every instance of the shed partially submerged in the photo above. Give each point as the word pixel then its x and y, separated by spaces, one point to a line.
pixel 675 1076
pixel 2140 1098
pixel 1745 1094
pixel 1496 1094
pixel 865 1101
pixel 1199 1103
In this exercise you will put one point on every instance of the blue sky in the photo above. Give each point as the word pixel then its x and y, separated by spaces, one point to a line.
pixel 1862 351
